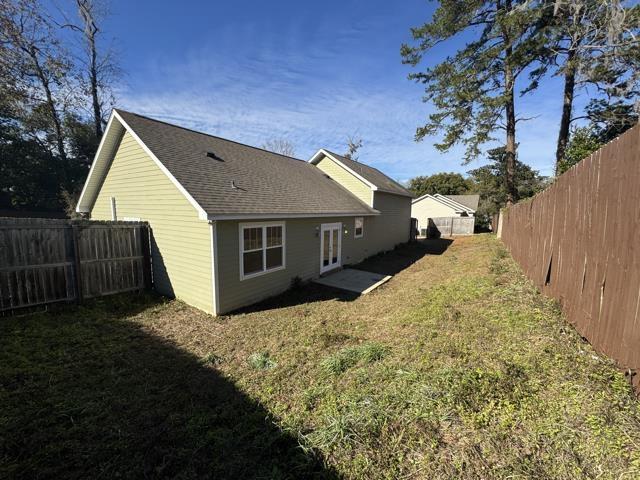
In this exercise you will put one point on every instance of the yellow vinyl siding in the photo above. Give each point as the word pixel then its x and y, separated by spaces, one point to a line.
pixel 429 208
pixel 181 242
pixel 346 179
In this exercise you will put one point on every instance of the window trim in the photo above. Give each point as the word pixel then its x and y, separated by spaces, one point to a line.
pixel 355 232
pixel 241 251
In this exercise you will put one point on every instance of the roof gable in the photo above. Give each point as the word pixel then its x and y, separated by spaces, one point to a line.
pixel 107 149
pixel 225 179
pixel 445 200
pixel 469 201
pixel 371 176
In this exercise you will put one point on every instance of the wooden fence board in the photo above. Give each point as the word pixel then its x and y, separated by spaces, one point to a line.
pixel 448 226
pixel 44 260
pixel 579 241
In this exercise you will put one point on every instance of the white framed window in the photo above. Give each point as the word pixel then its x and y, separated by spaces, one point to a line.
pixel 262 248
pixel 358 230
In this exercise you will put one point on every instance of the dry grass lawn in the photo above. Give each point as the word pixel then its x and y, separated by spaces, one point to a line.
pixel 456 368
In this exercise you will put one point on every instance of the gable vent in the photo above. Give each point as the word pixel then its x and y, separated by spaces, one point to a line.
pixel 214 156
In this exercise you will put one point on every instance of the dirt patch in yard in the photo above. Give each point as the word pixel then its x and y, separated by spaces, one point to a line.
pixel 455 368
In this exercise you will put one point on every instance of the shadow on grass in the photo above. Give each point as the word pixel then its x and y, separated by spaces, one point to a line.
pixel 388 263
pixel 307 293
pixel 86 393
pixel 404 256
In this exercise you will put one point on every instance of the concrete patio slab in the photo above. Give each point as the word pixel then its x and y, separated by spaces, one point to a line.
pixel 354 280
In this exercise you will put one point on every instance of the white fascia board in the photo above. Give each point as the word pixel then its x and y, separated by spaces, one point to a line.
pixel 258 216
pixel 79 208
pixel 316 158
pixel 416 200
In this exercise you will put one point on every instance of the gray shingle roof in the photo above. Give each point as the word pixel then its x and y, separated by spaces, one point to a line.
pixel 374 176
pixel 470 201
pixel 267 183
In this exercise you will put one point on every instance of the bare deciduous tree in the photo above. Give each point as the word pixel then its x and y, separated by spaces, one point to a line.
pixel 280 145
pixel 353 145
pixel 33 55
pixel 98 67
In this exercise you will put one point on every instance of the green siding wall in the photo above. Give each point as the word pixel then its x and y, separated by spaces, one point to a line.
pixel 346 179
pixel 393 225
pixel 302 253
pixel 181 242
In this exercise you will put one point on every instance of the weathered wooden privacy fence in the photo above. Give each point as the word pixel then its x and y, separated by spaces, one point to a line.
pixel 448 226
pixel 579 241
pixel 45 261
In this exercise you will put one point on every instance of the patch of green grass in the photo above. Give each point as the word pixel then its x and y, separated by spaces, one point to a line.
pixel 349 357
pixel 261 361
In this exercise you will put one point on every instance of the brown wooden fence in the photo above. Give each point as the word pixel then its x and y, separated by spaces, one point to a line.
pixel 579 241
pixel 44 261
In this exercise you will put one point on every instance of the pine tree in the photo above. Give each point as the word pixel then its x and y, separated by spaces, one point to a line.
pixel 474 91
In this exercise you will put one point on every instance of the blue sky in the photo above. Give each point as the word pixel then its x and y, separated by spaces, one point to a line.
pixel 311 72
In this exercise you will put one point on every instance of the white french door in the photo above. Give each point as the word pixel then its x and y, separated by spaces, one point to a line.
pixel 330 246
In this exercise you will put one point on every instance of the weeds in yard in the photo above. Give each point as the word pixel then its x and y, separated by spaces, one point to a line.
pixel 348 357
pixel 211 359
pixel 261 361
pixel 331 339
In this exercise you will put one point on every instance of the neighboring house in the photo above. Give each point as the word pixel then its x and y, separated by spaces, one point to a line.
pixel 233 224
pixel 443 206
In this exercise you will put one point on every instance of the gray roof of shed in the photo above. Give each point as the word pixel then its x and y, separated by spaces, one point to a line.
pixel 373 175
pixel 267 183
pixel 470 201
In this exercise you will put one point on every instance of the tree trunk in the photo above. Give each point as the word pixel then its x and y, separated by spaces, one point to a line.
pixel 93 73
pixel 55 118
pixel 567 105
pixel 510 145
pixel 90 31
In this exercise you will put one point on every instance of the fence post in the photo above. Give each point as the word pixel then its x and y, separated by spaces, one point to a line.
pixel 77 263
pixel 145 238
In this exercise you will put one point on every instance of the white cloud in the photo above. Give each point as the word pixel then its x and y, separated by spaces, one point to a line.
pixel 267 93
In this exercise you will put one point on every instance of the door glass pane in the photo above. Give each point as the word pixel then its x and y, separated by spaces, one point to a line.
pixel 274 257
pixel 252 262
pixel 325 247
pixel 335 233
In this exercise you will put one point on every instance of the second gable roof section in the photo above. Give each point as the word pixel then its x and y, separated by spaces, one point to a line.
pixel 224 179
pixel 372 177
pixel 445 201
pixel 454 203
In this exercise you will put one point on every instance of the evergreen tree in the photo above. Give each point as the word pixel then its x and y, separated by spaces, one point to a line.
pixel 474 91
pixel 488 181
